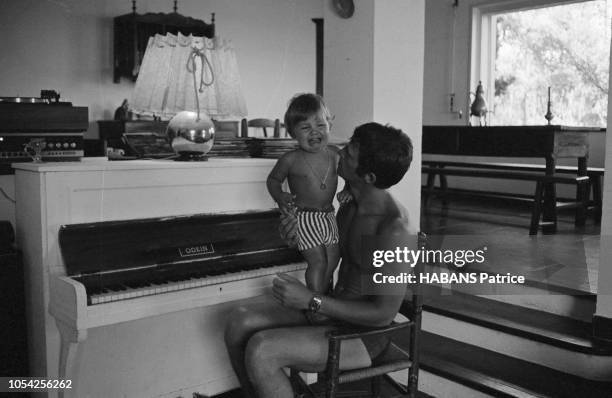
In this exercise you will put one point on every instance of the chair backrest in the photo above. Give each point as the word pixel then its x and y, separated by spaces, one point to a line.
pixel 264 124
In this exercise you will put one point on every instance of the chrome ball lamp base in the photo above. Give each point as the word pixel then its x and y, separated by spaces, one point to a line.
pixel 191 135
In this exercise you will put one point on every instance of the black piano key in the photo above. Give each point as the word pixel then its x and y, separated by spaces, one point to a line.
pixel 136 284
pixel 92 291
pixel 116 288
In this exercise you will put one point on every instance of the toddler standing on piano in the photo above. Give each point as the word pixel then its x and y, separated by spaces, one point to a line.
pixel 311 171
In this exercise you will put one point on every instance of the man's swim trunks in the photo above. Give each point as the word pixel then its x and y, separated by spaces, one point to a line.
pixel 376 345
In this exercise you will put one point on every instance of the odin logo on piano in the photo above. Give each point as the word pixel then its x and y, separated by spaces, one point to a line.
pixel 200 250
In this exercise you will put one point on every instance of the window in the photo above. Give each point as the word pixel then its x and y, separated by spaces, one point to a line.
pixel 519 52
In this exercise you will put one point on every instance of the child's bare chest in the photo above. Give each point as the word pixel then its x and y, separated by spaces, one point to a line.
pixel 306 176
pixel 314 167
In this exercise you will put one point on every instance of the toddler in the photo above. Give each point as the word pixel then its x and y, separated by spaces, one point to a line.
pixel 311 171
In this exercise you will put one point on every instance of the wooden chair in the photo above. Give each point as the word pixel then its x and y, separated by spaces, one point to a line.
pixel 263 124
pixel 394 359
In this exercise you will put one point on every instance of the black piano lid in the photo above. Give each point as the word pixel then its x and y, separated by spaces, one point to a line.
pixel 117 245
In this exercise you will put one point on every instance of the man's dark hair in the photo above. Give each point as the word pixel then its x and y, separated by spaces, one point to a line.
pixel 384 151
pixel 301 107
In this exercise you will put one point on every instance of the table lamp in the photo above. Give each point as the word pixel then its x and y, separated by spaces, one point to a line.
pixel 189 80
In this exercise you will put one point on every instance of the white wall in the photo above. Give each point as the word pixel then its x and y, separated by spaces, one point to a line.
pixel 374 72
pixel 348 65
pixel 67 46
pixel 399 37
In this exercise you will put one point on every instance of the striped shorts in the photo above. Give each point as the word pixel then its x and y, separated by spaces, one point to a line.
pixel 316 228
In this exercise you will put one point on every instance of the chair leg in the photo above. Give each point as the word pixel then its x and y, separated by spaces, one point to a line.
pixel 537 209
pixel 244 128
pixel 595 182
pixel 431 180
pixel 549 208
pixel 444 189
pixel 331 373
pixel 375 383
pixel 582 199
pixel 299 385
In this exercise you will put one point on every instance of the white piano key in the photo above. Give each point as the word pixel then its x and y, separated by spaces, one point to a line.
pixel 193 283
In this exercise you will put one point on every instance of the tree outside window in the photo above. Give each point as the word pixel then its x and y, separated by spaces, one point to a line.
pixel 565 47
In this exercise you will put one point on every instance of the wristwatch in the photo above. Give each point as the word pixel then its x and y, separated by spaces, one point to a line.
pixel 315 303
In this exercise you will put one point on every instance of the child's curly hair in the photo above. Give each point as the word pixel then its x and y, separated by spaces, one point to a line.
pixel 301 107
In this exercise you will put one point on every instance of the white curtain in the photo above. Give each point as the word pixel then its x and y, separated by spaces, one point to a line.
pixel 181 72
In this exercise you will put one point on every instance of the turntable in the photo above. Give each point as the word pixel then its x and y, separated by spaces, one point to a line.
pixel 58 125
pixel 22 100
pixel 46 97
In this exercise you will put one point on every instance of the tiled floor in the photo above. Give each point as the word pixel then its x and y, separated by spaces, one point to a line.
pixel 386 391
pixel 568 258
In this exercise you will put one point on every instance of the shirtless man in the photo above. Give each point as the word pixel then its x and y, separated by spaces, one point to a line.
pixel 263 339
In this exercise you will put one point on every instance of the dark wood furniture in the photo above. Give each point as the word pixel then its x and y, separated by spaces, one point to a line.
pixel 13 334
pixel 549 142
pixel 132 32
pixel 32 118
pixel 59 124
pixel 395 358
pixel 595 175
pixel 264 124
pixel 111 131
pixel 542 180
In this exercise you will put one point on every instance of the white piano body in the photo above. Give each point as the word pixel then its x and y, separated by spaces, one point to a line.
pixel 153 345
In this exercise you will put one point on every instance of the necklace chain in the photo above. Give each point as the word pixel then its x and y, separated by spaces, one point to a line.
pixel 323 186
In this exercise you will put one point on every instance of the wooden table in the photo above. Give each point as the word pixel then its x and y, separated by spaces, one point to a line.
pixel 549 142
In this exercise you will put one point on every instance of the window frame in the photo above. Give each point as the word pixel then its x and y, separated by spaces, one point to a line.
pixel 483 39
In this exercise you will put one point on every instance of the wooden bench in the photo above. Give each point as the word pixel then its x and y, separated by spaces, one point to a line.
pixel 594 185
pixel 542 180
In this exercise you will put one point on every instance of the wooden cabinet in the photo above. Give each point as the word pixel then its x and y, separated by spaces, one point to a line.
pixel 111 132
pixel 132 32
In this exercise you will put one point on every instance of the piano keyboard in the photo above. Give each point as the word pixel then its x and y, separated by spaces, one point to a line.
pixel 126 293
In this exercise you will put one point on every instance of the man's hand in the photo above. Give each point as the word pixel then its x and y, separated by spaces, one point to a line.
pixel 290 292
pixel 286 202
pixel 288 227
pixel 344 196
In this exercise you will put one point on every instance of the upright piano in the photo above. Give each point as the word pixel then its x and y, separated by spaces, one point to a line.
pixel 133 267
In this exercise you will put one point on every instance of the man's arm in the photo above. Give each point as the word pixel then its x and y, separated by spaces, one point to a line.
pixel 378 309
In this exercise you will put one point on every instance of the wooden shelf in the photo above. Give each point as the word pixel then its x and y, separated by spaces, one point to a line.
pixel 132 32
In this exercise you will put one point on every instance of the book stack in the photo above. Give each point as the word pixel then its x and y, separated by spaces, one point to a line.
pixel 231 147
pixel 272 148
